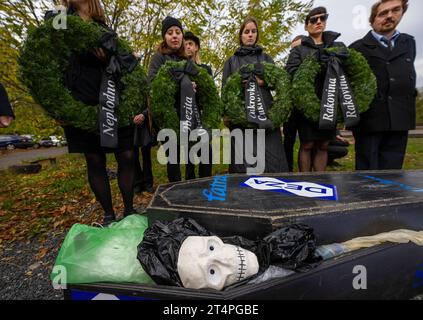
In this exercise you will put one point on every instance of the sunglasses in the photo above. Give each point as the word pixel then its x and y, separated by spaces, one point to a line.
pixel 322 18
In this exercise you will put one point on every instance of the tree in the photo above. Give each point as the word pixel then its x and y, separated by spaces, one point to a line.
pixel 216 22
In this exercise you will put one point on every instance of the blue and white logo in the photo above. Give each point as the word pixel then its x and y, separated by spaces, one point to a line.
pixel 301 189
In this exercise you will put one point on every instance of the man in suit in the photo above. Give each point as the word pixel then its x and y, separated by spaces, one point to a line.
pixel 382 135
pixel 6 111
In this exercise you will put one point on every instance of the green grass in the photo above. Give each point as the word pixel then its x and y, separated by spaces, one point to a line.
pixel 57 197
pixel 413 159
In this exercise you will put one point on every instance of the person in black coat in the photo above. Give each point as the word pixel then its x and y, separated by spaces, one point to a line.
pixel 382 134
pixel 250 53
pixel 192 50
pixel 311 137
pixel 170 49
pixel 83 79
pixel 6 111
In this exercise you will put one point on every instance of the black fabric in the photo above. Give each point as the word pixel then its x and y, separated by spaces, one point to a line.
pixel 275 159
pixel 125 174
pixel 256 107
pixel 159 249
pixel 111 87
pixel 82 141
pixel 380 150
pixel 208 68
pixel 394 107
pixel 204 170
pixel 290 130
pixel 242 56
pixel 275 154
pixel 170 22
pixel 146 133
pixel 157 61
pixel 310 131
pixel 337 91
pixel 309 48
pixel 99 181
pixel 190 36
pixel 143 177
pixel 291 247
pixel 314 12
pixel 5 107
pixel 189 114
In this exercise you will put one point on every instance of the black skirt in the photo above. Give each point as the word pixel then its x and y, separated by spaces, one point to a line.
pixel 309 131
pixel 82 141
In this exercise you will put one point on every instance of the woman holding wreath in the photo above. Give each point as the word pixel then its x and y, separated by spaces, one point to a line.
pixel 184 98
pixel 311 137
pixel 83 79
pixel 249 53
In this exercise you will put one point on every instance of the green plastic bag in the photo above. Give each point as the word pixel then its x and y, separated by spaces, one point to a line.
pixel 92 255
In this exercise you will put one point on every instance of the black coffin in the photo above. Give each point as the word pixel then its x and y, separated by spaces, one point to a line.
pixel 363 203
pixel 344 206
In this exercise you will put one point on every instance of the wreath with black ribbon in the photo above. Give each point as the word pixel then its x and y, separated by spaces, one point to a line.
pixel 199 109
pixel 349 89
pixel 243 100
pixel 47 53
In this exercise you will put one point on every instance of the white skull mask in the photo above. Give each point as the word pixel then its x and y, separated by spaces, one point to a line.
pixel 206 262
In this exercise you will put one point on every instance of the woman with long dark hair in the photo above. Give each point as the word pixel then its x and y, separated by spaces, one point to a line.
pixel 170 49
pixel 250 53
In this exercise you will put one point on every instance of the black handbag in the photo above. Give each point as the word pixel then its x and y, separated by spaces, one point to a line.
pixel 145 135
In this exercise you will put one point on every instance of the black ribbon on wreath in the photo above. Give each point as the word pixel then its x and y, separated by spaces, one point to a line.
pixel 255 105
pixel 189 115
pixel 337 90
pixel 111 87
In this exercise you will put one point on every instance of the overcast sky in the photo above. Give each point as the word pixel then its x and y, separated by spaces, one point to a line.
pixel 350 18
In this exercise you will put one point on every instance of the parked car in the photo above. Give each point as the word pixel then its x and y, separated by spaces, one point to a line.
pixel 58 141
pixel 46 142
pixel 25 142
pixel 11 142
pixel 8 142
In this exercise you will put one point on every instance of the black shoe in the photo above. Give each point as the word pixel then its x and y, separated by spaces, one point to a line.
pixel 108 219
pixel 138 189
pixel 149 189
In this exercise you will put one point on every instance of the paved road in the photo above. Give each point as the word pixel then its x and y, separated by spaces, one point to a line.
pixel 15 157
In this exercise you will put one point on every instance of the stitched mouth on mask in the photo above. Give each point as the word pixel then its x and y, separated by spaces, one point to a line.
pixel 242 266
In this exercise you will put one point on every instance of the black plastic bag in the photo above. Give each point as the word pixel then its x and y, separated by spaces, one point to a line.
pixel 159 250
pixel 291 247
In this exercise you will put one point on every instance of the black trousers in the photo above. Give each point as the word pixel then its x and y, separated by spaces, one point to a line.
pixel 174 170
pixel 144 175
pixel 274 153
pixel 337 150
pixel 380 150
pixel 290 130
pixel 204 170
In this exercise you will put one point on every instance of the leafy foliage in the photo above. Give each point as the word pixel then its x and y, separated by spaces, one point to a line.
pixel 44 59
pixel 163 98
pixel 276 78
pixel 358 71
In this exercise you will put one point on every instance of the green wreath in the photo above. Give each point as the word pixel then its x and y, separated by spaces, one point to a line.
pixel 360 75
pixel 44 58
pixel 277 79
pixel 163 95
